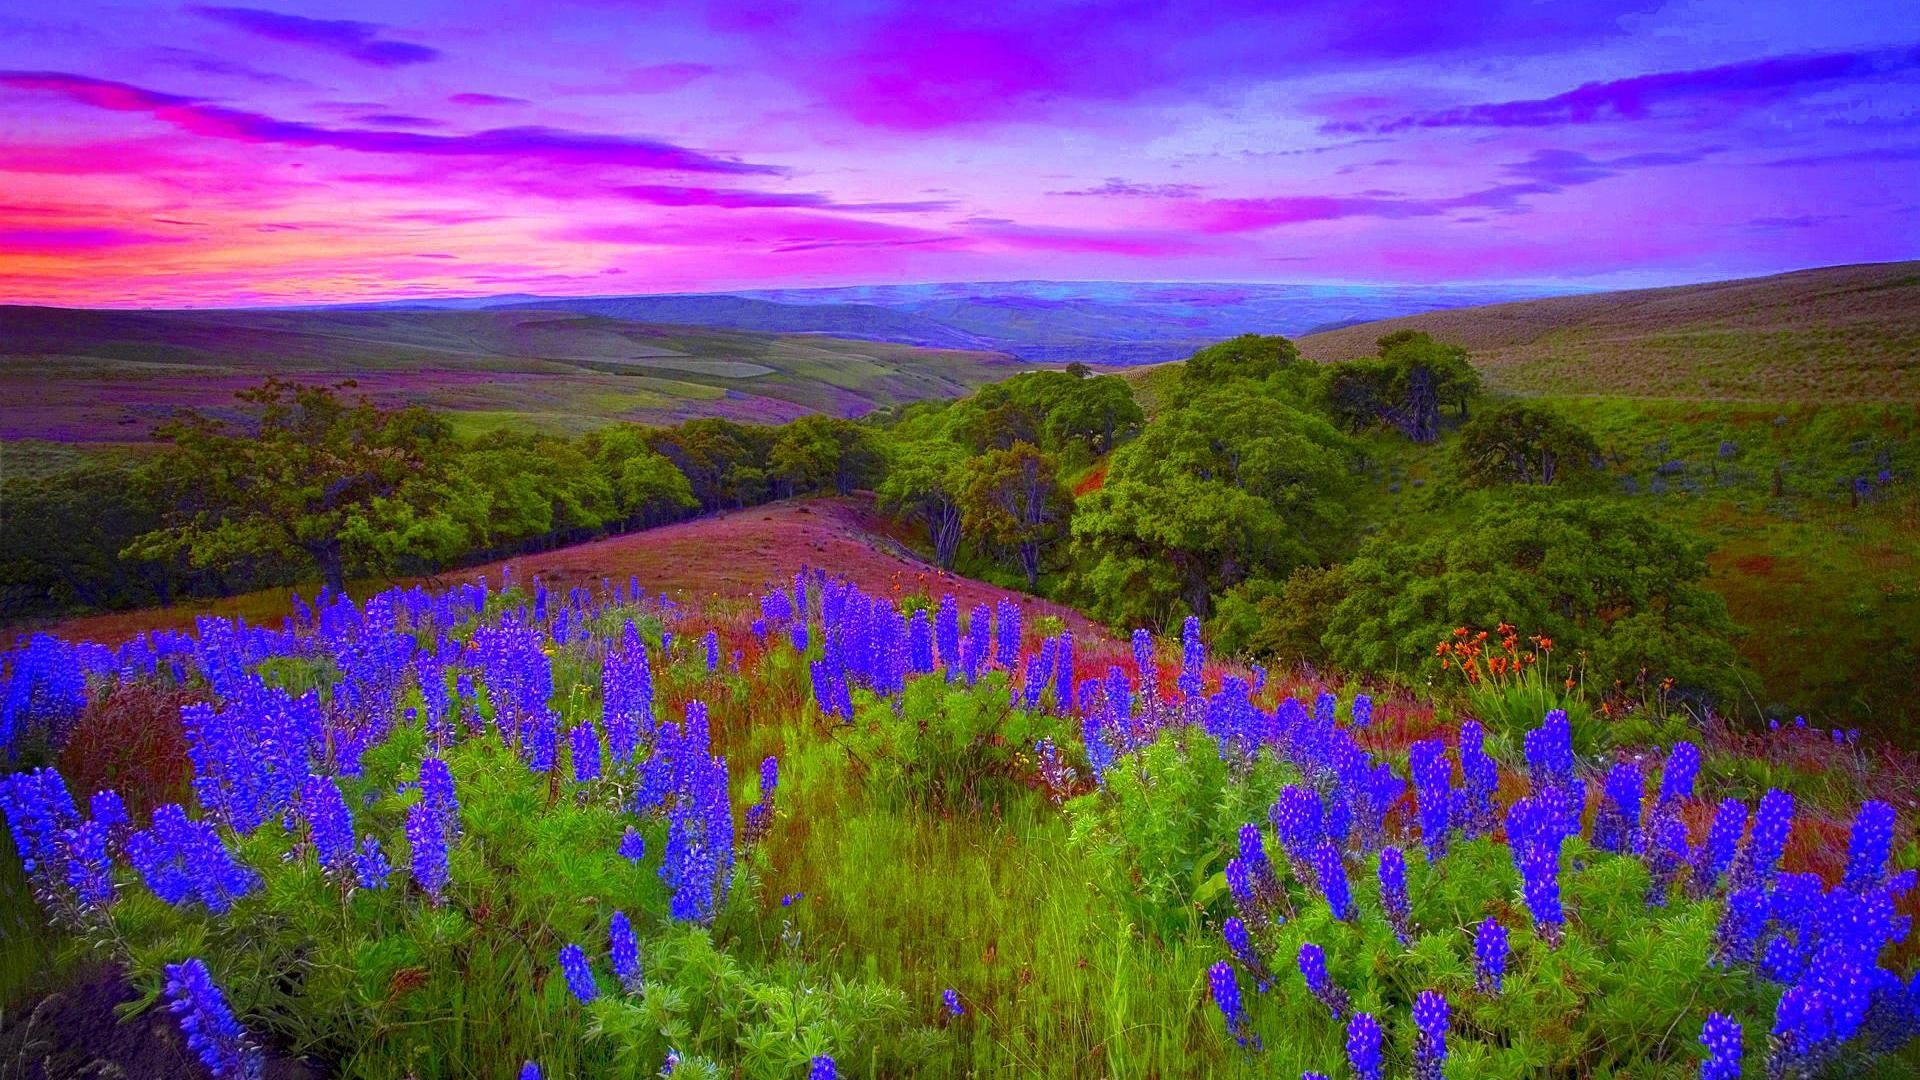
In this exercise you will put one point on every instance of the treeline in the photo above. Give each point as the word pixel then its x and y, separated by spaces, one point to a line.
pixel 320 484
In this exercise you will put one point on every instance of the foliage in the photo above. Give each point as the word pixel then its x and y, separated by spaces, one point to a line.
pixel 949 746
pixel 1231 484
pixel 1404 387
pixel 1598 579
pixel 1013 499
pixel 1517 443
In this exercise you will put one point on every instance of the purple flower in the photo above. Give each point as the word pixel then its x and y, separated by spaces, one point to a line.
pixel 1616 827
pixel 1717 852
pixel 713 650
pixel 1007 634
pixel 1226 995
pixel 946 634
pixel 1433 787
pixel 1489 956
pixel 184 860
pixel 530 1071
pixel 1393 892
pixel 1193 658
pixel 950 998
pixel 213 1033
pixel 1330 871
pixel 586 753
pixel 633 846
pixel 370 868
pixel 1772 824
pixel 1313 968
pixel 1430 1014
pixel 573 964
pixel 625 950
pixel 1868 846
pixel 1482 777
pixel 824 1069
pixel 1740 926
pixel 428 857
pixel 90 864
pixel 436 791
pixel 1363 1046
pixel 329 823
pixel 1534 838
pixel 1676 780
pixel 1721 1037
pixel 1144 666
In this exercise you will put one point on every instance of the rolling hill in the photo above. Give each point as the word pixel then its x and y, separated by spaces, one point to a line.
pixel 1839 334
pixel 109 376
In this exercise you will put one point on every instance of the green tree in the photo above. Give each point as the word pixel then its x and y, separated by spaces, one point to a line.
pixel 923 483
pixel 535 487
pixel 1249 356
pixel 1590 574
pixel 1516 443
pixel 647 488
pixel 1013 499
pixel 815 453
pixel 1228 485
pixel 339 483
pixel 724 462
pixel 1098 409
pixel 1404 387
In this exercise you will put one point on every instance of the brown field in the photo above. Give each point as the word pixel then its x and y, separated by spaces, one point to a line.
pixel 1837 334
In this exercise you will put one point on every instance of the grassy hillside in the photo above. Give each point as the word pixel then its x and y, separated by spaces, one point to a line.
pixel 109 376
pixel 1841 333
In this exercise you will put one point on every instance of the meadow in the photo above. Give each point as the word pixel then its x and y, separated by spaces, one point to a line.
pixel 833 827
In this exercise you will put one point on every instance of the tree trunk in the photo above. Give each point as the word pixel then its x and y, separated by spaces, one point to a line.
pixel 332 570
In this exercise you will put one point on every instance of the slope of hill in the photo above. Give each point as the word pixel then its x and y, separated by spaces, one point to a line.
pixel 109 376
pixel 1841 333
pixel 1054 322
pixel 729 556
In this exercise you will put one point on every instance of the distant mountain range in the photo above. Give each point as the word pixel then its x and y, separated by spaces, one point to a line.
pixel 1044 322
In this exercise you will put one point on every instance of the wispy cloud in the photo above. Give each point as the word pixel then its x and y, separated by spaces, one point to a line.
pixel 484 100
pixel 1749 82
pixel 549 145
pixel 1117 187
pixel 740 198
pixel 354 40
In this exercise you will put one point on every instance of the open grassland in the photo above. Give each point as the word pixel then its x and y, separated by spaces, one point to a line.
pixel 111 376
pixel 1842 334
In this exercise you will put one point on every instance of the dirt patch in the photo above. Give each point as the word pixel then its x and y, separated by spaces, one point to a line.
pixel 1755 565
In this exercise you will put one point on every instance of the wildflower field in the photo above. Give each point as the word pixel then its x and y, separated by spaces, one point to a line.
pixel 499 831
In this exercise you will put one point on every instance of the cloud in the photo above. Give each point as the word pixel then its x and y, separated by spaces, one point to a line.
pixel 203 64
pixel 1141 242
pixel 484 100
pixel 540 144
pixel 1874 155
pixel 1117 187
pixel 354 40
pixel 739 198
pixel 52 241
pixel 1253 215
pixel 399 120
pixel 1570 168
pixel 1749 82
pixel 771 230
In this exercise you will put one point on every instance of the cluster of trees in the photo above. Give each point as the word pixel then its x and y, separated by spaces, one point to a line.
pixel 987 469
pixel 317 483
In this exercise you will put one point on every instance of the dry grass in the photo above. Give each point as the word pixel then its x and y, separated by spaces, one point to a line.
pixel 1844 333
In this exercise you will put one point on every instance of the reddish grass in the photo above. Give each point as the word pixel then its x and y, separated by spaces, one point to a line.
pixel 130 740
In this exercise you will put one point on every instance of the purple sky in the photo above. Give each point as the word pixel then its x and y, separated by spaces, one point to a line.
pixel 196 154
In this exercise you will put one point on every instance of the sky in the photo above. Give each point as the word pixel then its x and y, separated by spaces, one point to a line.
pixel 173 155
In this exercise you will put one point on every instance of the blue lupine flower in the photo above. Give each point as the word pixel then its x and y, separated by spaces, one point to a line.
pixel 1803 1035
pixel 1362 711
pixel 1432 785
pixel 1144 667
pixel 1616 827
pixel 213 1033
pixel 919 643
pixel 110 811
pixel 586 753
pixel 1489 956
pixel 950 998
pixel 712 642
pixel 370 868
pixel 428 857
pixel 1721 1037
pixel 824 1069
pixel 1240 944
pixel 1363 1046
pixel 1193 657
pixel 1534 839
pixel 1393 892
pixel 1772 824
pixel 624 947
pixel 1666 854
pixel 1226 995
pixel 1430 1013
pixel 1007 634
pixel 1676 780
pixel 530 1071
pixel 540 739
pixel 1313 968
pixel 1482 776
pixel 1330 871
pixel 184 860
pixel 579 975
pixel 1717 853
pixel 38 811
pixel 1868 846
pixel 329 823
pixel 946 634
pixel 1740 926
pixel 90 864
